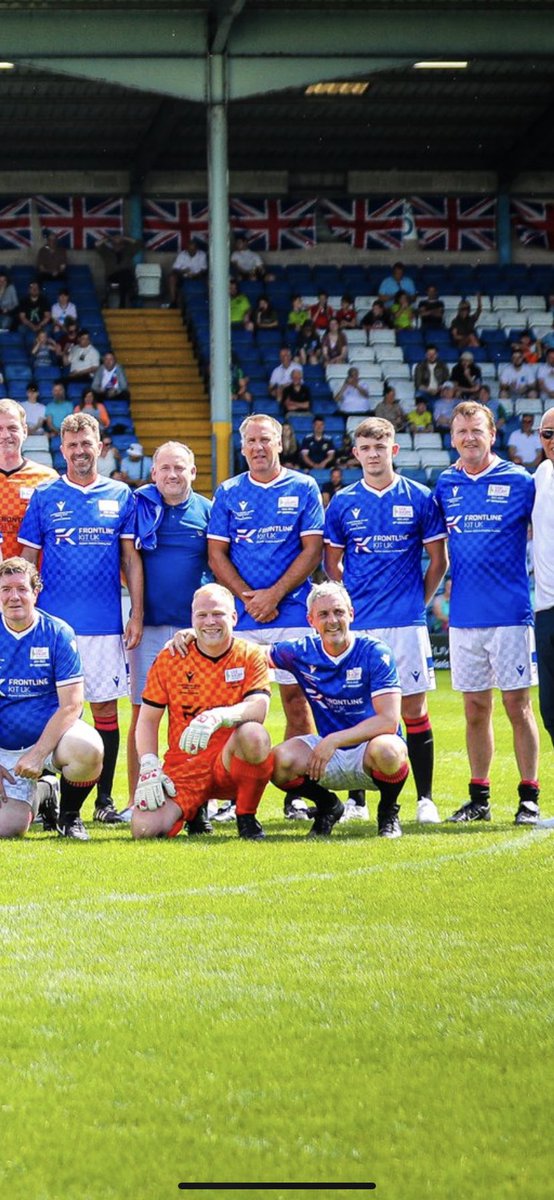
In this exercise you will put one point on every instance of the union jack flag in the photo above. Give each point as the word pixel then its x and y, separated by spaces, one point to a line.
pixel 533 221
pixel 455 222
pixel 15 225
pixel 367 224
pixel 274 224
pixel 80 221
pixel 170 224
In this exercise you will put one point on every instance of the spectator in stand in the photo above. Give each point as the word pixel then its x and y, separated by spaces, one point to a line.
pixel 68 336
pixel 346 314
pixel 430 310
pixel 90 404
pixel 334 344
pixel 240 311
pixel 321 312
pixel 265 316
pixel 317 450
pixel 117 252
pixel 9 303
pixel 109 461
pixel 62 309
pixel 281 376
pixel 518 375
pixel 334 484
pixel 402 311
pixel 420 419
pixel 135 466
pixel 530 349
pixel 289 454
pixel 498 411
pixel 462 327
pixel 524 445
pixel 390 409
pixel 545 377
pixel 296 396
pixel 466 375
pixel 444 407
pixel 51 259
pixel 430 374
pixel 57 409
pixel 378 317
pixel 35 412
pixel 239 384
pixel 82 361
pixel 547 340
pixel 245 263
pixel 34 312
pixel 395 282
pixel 109 382
pixel 298 314
pixel 352 396
pixel 345 457
pixel 191 263
pixel 307 348
pixel 44 350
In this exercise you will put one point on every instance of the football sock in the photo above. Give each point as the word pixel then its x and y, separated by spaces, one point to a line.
pixel 73 796
pixel 251 780
pixel 358 796
pixel 421 753
pixel 480 790
pixel 390 787
pixel 529 791
pixel 109 732
pixel 323 799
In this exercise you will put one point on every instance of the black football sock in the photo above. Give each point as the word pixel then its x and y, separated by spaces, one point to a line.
pixel 358 796
pixel 390 787
pixel 421 753
pixel 110 738
pixel 73 796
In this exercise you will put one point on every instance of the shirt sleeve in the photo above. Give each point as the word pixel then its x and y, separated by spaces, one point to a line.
pixel 382 669
pixel 283 655
pixel 313 517
pixel 67 660
pixel 433 525
pixel 155 689
pixel 333 525
pixel 218 526
pixel 30 530
pixel 257 672
pixel 128 517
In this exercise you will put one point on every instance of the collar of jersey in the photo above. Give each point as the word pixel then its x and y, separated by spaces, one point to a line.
pixel 278 479
pixel 381 491
pixel 337 658
pixel 496 460
pixel 20 633
pixel 98 482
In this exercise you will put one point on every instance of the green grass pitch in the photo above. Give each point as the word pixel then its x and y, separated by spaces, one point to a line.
pixel 341 1012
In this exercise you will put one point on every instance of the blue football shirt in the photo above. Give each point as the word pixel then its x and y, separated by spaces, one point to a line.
pixel 178 564
pixel 33 664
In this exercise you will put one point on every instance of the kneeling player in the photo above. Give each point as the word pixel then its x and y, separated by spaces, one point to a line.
pixel 213 751
pixel 40 707
pixel 352 687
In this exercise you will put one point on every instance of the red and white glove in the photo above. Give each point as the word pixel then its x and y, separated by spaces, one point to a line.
pixel 153 786
pixel 197 735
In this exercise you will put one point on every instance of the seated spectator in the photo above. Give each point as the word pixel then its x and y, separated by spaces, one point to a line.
pixel 56 410
pixel 68 336
pixel 51 258
pixel 524 445
pixel 321 312
pixel 462 327
pixel 117 252
pixel 90 404
pixel 34 311
pixel 62 309
pixel 82 361
pixel 245 263
pixel 298 314
pixel 239 384
pixel 346 314
pixel 289 453
pixel 296 396
pixel 240 312
pixel 466 375
pixel 9 302
pixel 430 374
pixel 345 457
pixel 44 351
pixel 391 409
pixel 420 419
pixel 191 263
pixel 334 484
pixel 109 382
pixel 402 311
pixel 545 378
pixel 334 344
pixel 353 397
pixel 395 282
pixel 307 347
pixel 444 407
pixel 430 310
pixel 135 466
pixel 35 411
pixel 110 459
pixel 530 349
pixel 317 450
pixel 281 375
pixel 378 317
pixel 498 411
pixel 265 316
pixel 518 375
pixel 547 340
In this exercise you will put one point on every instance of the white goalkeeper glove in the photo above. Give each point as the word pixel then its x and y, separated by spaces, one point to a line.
pixel 197 735
pixel 153 786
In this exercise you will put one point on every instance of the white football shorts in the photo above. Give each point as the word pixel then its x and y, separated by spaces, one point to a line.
pixel 411 647
pixel 502 656
pixel 345 769
pixel 268 637
pixel 23 789
pixel 105 666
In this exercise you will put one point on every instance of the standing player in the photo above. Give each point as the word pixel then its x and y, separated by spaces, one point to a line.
pixel 487 507
pixel 18 476
pixel 543 525
pixel 217 698
pixel 375 531
pixel 172 524
pixel 352 686
pixel 265 540
pixel 40 703
pixel 85 525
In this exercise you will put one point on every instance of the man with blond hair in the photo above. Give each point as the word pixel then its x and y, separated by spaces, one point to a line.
pixel 19 476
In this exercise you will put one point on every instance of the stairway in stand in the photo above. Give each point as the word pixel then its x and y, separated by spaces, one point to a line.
pixel 169 401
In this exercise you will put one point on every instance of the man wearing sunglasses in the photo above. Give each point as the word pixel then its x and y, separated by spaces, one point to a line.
pixel 543 524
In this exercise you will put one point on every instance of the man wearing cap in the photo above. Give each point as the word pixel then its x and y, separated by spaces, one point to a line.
pixel 135 466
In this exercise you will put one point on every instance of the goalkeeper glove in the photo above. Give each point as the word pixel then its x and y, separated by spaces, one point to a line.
pixel 153 786
pixel 197 735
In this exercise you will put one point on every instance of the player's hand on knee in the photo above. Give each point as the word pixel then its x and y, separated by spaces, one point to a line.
pixel 197 735
pixel 5 777
pixel 153 786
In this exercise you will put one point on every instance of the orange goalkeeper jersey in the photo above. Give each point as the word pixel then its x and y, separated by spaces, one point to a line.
pixel 16 489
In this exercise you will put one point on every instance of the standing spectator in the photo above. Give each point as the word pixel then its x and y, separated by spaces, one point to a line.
pixel 34 312
pixel 117 252
pixel 9 302
pixel 487 507
pixel 352 396
pixel 110 459
pixel 245 263
pixel 109 381
pixel 85 526
pixel 57 409
pixel 240 311
pixel 317 450
pixel 191 263
pixel 543 524
pixel 35 412
pixel 19 476
pixel 334 344
pixel 82 361
pixel 281 376
pixel 518 375
pixel 390 409
pixel 419 418
pixel 524 445
pixel 321 312
pixel 462 327
pixel 135 466
pixel 298 314
pixel 395 282
pixel 296 396
pixel 51 259
pixel 430 310
pixel 62 309
pixel 466 376
pixel 430 374
pixel 388 591
pixel 90 404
